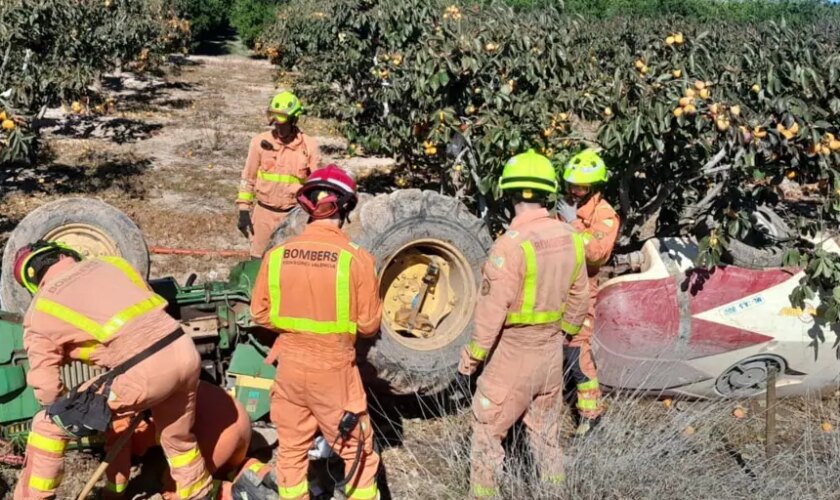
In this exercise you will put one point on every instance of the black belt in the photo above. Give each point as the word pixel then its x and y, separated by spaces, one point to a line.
pixel 274 209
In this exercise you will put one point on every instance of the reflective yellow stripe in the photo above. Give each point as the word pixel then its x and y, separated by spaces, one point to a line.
pixel 183 459
pixel 87 349
pixel 44 443
pixel 361 493
pixel 256 467
pixel 587 404
pixel 342 323
pixel 281 178
pixel 129 313
pixel 589 385
pixel 295 491
pixel 476 352
pixel 483 492
pixel 116 487
pixel 192 489
pixel 527 315
pixel 100 332
pixel 126 269
pixel 580 255
pixel 529 288
pixel 44 484
pixel 244 196
pixel 570 328
pixel 275 262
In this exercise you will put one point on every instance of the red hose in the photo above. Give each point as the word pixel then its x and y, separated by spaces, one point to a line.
pixel 199 253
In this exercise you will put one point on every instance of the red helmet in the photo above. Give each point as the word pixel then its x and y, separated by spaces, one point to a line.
pixel 24 272
pixel 328 191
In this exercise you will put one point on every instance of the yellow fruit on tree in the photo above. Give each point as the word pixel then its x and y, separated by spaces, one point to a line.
pixel 679 39
pixel 722 124
pixel 677 73
pixel 704 94
pixel 699 85
pixel 714 108
pixel 685 101
pixel 759 133
pixel 690 109
pixel 76 107
pixel 826 426
pixel 791 174
pixel 739 413
pixel 678 112
pixel 644 70
pixel 563 117
pixel 431 151
pixel 669 40
pixel 490 47
pixel 825 150
pixel 735 110
pixel 8 124
pixel 2 115
pixel 834 145
pixel 690 93
pixel 640 64
pixel 668 403
pixel 756 88
pixel 547 132
pixel 608 111
pixel 470 109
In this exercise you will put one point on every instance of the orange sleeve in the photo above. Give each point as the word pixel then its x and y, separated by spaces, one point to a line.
pixel 501 282
pixel 601 235
pixel 368 303
pixel 245 197
pixel 260 299
pixel 577 303
pixel 45 359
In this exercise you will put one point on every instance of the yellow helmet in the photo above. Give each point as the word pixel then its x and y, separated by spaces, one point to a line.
pixel 529 171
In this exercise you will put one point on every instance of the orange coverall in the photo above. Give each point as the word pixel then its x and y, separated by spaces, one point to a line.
pixel 272 177
pixel 599 224
pixel 222 428
pixel 102 312
pixel 533 293
pixel 317 290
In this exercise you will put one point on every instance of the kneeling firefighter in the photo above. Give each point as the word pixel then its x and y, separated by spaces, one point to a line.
pixel 318 290
pixel 587 211
pixel 533 296
pixel 100 311
pixel 223 431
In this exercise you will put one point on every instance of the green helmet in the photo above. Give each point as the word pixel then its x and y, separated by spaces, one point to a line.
pixel 285 105
pixel 586 167
pixel 527 171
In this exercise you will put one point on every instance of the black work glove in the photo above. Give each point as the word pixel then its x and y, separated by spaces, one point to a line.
pixel 245 224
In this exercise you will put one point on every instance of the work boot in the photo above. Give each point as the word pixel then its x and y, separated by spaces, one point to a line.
pixel 586 426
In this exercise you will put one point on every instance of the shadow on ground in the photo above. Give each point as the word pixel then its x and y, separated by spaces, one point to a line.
pixel 78 180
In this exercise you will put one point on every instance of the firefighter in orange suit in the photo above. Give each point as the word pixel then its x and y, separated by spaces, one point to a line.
pixel 317 291
pixel 100 311
pixel 533 296
pixel 223 431
pixel 587 211
pixel 278 163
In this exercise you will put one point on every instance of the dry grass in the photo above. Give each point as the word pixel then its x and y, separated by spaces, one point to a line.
pixel 642 450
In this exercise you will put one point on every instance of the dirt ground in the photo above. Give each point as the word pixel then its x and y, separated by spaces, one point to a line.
pixel 170 157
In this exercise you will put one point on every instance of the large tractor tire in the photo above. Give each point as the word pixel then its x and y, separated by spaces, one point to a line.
pixel 91 226
pixel 407 231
